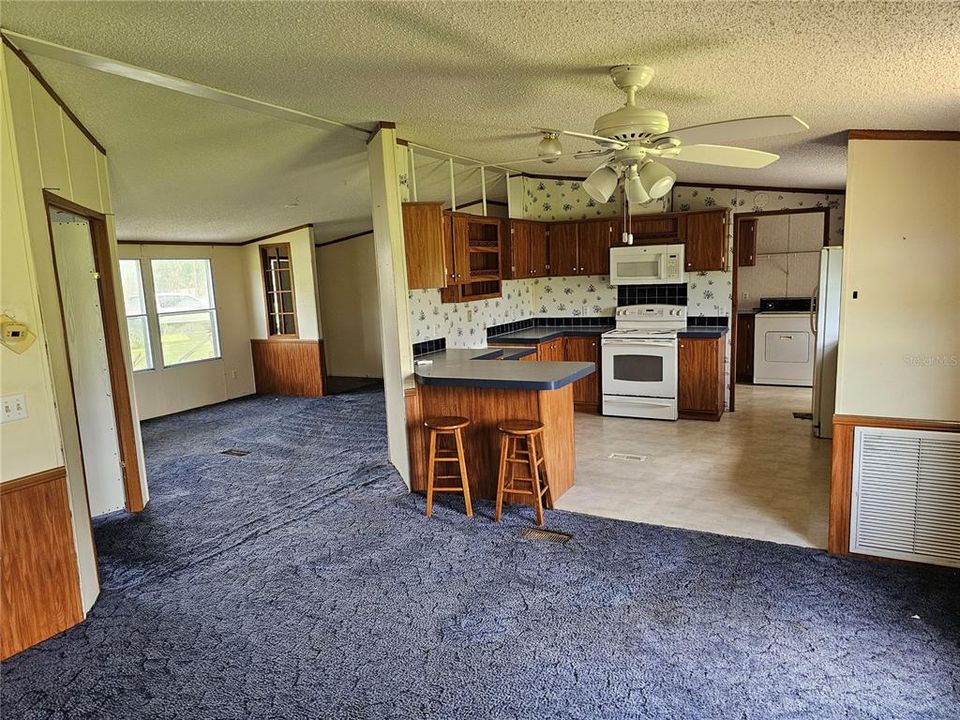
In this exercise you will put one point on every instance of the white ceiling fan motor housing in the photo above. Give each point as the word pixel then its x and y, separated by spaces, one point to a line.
pixel 631 123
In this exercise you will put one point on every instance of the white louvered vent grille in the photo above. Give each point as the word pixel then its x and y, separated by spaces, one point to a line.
pixel 906 495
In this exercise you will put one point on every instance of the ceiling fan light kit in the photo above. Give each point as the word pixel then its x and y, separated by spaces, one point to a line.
pixel 631 136
pixel 550 148
pixel 601 183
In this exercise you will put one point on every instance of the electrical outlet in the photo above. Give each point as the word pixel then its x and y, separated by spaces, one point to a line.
pixel 233 374
pixel 14 408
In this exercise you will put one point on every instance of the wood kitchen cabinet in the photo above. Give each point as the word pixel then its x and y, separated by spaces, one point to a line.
pixel 700 389
pixel 705 240
pixel 552 350
pixel 564 257
pixel 581 248
pixel 586 391
pixel 426 245
pixel 594 238
pixel 747 242
pixel 745 340
pixel 474 246
pixel 525 250
pixel 655 229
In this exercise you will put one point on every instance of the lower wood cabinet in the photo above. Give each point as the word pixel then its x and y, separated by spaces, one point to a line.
pixel 700 385
pixel 586 391
pixel 745 335
pixel 552 350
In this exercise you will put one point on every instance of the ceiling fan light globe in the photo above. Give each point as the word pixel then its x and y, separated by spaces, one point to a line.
pixel 550 148
pixel 601 183
pixel 657 179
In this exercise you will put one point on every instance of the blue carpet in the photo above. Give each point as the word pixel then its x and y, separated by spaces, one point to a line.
pixel 301 581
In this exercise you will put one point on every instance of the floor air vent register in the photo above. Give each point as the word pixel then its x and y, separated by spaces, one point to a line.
pixel 545 535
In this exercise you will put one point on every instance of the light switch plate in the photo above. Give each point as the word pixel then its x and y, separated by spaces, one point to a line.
pixel 14 408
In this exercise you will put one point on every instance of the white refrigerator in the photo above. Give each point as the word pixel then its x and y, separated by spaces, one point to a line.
pixel 825 324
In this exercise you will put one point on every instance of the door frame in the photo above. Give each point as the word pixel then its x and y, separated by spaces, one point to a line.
pixel 737 217
pixel 113 340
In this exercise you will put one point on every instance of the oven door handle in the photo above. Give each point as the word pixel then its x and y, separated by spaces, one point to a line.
pixel 640 343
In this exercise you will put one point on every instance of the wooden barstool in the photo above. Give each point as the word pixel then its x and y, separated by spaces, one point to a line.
pixel 530 434
pixel 439 426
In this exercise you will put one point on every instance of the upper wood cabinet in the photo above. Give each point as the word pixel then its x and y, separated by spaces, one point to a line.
pixel 594 238
pixel 426 245
pixel 705 240
pixel 700 391
pixel 747 242
pixel 525 254
pixel 656 229
pixel 564 256
pixel 475 241
pixel 581 248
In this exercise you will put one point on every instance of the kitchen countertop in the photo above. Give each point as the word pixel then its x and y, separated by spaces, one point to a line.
pixel 534 335
pixel 491 368
pixel 700 331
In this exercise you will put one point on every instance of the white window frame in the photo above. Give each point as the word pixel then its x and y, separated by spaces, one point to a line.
pixel 212 310
pixel 148 325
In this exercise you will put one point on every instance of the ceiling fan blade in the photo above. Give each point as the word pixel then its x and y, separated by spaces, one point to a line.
pixel 723 155
pixel 729 130
pixel 586 154
pixel 608 142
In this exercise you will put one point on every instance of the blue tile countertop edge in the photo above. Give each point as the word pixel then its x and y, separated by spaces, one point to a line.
pixel 491 368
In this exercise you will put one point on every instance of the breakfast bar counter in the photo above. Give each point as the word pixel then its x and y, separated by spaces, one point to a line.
pixel 488 386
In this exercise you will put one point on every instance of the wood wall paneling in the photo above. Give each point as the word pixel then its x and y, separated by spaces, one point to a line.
pixel 40 594
pixel 288 367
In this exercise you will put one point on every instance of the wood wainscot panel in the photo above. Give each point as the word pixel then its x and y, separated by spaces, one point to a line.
pixel 288 367
pixel 40 596
pixel 416 440
pixel 841 472
pixel 486 407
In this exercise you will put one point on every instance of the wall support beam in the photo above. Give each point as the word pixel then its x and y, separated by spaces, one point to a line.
pixel 392 285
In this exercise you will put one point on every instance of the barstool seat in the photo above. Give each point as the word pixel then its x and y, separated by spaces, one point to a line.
pixel 440 426
pixel 529 433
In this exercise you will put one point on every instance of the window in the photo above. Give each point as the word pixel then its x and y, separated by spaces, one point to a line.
pixel 186 310
pixel 278 285
pixel 135 302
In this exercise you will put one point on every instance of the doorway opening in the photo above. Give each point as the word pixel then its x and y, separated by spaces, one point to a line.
pixel 87 291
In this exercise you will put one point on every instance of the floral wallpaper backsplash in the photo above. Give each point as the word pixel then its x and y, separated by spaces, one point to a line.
pixel 698 198
pixel 578 296
pixel 550 199
pixel 464 325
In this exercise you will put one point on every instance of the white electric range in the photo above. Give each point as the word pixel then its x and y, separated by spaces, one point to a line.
pixel 639 362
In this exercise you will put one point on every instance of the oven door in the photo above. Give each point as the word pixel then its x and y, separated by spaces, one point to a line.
pixel 640 368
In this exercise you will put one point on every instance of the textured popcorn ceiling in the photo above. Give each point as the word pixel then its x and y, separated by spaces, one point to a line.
pixel 468 78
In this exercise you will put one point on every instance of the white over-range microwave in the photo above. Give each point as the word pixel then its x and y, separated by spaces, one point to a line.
pixel 646 265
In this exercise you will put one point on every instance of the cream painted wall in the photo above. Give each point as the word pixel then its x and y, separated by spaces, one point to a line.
pixel 304 284
pixel 899 350
pixel 350 307
pixel 162 391
pixel 48 151
pixel 33 444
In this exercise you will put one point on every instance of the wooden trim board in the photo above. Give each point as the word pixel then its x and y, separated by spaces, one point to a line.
pixel 39 576
pixel 941 135
pixel 52 93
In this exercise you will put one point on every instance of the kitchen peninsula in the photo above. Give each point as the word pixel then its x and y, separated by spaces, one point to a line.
pixel 487 386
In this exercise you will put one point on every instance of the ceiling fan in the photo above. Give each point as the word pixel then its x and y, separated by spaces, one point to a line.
pixel 631 136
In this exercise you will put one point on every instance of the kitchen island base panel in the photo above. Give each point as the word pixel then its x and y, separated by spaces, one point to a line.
pixel 486 407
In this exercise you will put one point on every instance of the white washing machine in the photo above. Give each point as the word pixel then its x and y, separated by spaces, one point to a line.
pixel 784 349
